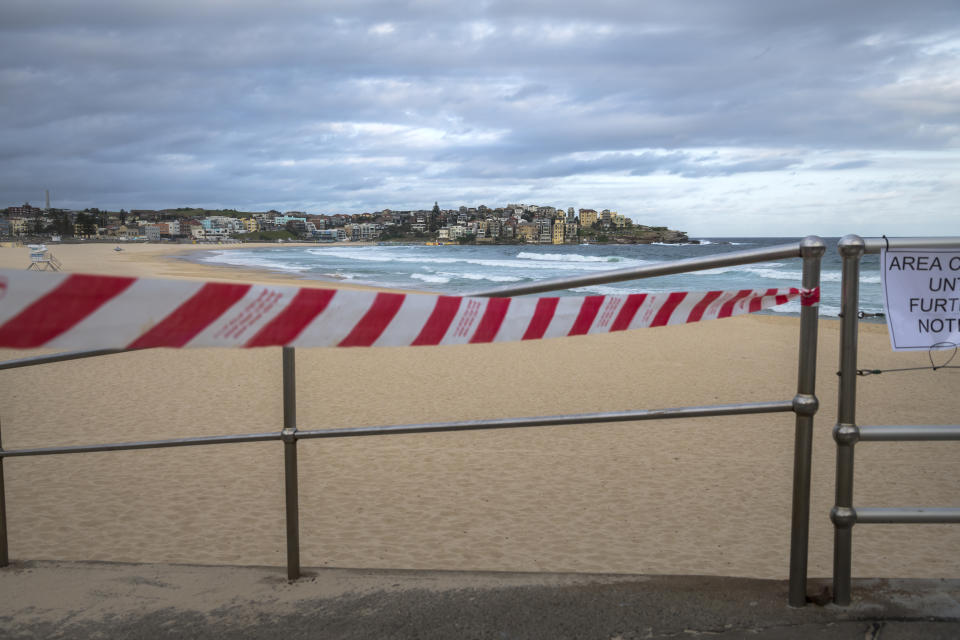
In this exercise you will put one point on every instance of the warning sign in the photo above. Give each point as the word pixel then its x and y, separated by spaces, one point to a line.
pixel 921 293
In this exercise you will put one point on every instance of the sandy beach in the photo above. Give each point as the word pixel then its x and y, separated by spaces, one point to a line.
pixel 708 496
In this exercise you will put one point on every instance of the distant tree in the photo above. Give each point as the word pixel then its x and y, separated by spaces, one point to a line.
pixel 467 239
pixel 123 217
pixel 86 224
pixel 61 224
pixel 434 218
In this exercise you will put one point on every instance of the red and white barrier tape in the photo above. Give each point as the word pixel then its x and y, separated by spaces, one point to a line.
pixel 106 312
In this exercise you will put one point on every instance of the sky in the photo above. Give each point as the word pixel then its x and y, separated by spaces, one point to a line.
pixel 732 118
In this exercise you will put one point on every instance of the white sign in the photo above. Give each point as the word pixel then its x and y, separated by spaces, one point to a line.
pixel 921 294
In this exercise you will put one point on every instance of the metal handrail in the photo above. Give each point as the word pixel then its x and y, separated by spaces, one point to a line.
pixel 804 404
pixel 429 427
pixel 874 245
pixel 906 515
pixel 847 433
pixel 58 357
pixel 908 433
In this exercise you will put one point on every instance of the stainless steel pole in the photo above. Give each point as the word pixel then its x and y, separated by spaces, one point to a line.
pixel 58 357
pixel 845 432
pixel 289 435
pixel 908 515
pixel 4 550
pixel 805 405
pixel 919 432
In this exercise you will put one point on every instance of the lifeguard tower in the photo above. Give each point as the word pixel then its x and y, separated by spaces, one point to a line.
pixel 42 260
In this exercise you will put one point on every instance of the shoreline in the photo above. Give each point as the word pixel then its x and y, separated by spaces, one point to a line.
pixel 171 261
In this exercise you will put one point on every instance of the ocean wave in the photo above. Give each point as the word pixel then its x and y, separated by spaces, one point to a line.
pixel 497 263
pixel 770 271
pixel 431 278
pixel 793 308
pixel 608 290
pixel 481 276
pixel 523 260
pixel 235 259
pixel 740 267
pixel 572 257
pixel 681 244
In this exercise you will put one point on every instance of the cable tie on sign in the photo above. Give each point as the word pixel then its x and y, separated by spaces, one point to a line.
pixel 865 314
pixel 946 345
pixel 887 240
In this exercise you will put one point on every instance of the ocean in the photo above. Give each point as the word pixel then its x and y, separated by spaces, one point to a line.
pixel 456 270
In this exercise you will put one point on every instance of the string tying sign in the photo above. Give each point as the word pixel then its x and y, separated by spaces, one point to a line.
pixel 106 312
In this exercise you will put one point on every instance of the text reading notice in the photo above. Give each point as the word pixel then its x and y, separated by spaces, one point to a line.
pixel 921 293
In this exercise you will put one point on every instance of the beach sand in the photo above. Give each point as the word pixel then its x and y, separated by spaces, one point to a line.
pixel 706 496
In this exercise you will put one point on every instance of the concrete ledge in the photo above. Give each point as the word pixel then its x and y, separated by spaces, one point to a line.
pixel 97 600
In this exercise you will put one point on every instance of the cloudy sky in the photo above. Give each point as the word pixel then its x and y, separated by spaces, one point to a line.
pixel 718 118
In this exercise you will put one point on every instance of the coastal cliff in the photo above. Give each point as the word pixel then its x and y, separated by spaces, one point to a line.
pixel 637 234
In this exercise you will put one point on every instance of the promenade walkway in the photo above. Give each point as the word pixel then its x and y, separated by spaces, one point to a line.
pixel 107 600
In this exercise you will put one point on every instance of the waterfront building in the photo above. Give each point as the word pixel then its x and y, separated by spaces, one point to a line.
pixel 527 231
pixel 18 226
pixel 331 235
pixel 588 217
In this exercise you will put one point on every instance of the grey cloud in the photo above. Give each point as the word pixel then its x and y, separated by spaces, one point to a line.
pixel 99 96
pixel 843 166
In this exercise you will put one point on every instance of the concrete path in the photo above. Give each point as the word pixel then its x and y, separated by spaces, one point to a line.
pixel 101 600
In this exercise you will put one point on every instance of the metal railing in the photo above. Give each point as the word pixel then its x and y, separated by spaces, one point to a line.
pixel 847 433
pixel 803 404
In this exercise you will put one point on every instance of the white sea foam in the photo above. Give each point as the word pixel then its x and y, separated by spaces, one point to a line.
pixel 481 276
pixel 607 290
pixel 681 244
pixel 431 278
pixel 769 271
pixel 423 258
pixel 573 257
pixel 237 259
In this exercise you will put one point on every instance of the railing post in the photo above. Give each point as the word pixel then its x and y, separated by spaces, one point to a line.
pixel 805 405
pixel 845 432
pixel 290 463
pixel 4 550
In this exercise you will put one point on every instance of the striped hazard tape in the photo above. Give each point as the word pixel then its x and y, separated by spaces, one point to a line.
pixel 107 312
